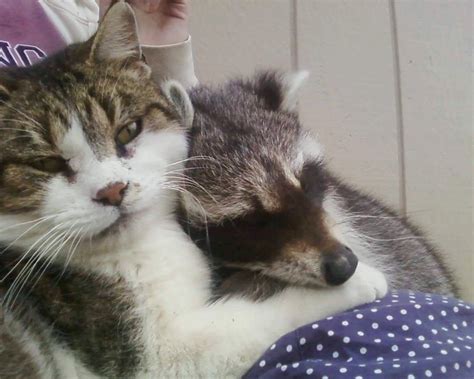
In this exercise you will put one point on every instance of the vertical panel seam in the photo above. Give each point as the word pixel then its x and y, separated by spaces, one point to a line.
pixel 294 34
pixel 398 108
pixel 294 40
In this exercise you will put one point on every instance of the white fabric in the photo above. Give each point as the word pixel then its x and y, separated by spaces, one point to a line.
pixel 172 62
pixel 76 20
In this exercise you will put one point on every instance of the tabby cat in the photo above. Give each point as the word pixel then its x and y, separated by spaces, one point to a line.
pixel 97 277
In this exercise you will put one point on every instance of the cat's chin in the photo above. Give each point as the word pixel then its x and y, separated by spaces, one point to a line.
pixel 128 227
pixel 119 225
pixel 123 225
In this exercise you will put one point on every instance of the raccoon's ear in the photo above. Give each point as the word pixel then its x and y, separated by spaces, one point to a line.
pixel 117 35
pixel 280 91
pixel 290 86
pixel 177 95
pixel 309 147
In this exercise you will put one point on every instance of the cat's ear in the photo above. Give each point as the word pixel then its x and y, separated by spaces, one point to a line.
pixel 179 98
pixel 280 90
pixel 117 35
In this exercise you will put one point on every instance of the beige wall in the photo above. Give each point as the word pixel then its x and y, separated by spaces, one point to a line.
pixel 390 95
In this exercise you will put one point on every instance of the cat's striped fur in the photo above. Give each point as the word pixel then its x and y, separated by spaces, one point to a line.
pixel 98 280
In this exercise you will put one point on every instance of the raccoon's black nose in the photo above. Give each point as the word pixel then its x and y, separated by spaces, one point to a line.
pixel 339 265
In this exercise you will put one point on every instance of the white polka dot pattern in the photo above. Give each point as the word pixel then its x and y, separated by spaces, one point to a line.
pixel 405 335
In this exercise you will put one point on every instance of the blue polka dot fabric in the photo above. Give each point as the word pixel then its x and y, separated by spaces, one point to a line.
pixel 404 335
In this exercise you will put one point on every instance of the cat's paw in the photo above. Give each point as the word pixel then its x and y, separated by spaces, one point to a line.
pixel 366 285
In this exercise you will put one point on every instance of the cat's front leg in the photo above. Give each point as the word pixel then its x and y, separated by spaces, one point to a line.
pixel 225 338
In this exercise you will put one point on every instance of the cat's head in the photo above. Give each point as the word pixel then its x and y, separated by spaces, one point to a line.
pixel 86 138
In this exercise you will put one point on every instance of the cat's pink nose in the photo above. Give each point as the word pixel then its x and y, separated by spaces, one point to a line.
pixel 112 194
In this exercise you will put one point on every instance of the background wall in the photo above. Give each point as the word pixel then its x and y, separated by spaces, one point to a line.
pixel 390 95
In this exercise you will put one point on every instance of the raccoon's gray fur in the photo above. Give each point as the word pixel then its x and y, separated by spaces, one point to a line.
pixel 97 279
pixel 263 199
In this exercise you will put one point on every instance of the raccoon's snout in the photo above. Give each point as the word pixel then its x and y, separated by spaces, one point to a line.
pixel 338 265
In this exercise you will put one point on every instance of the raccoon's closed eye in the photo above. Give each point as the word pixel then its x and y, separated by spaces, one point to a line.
pixel 128 133
pixel 314 181
pixel 52 165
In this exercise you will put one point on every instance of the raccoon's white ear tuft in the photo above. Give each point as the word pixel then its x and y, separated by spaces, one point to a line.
pixel 291 83
pixel 309 147
pixel 178 96
pixel 117 35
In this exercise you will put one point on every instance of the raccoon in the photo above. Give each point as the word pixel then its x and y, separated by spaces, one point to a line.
pixel 260 199
pixel 97 277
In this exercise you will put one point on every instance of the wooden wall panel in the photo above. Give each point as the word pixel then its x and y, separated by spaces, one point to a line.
pixel 350 100
pixel 237 37
pixel 435 44
pixel 390 94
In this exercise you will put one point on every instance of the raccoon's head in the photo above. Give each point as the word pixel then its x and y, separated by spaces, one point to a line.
pixel 259 183
pixel 86 140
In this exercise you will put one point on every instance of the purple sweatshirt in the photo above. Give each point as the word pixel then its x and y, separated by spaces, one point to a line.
pixel 26 33
pixel 32 29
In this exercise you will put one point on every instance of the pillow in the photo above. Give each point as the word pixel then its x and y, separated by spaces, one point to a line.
pixel 404 335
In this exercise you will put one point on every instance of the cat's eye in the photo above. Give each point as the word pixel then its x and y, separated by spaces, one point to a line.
pixel 128 133
pixel 51 164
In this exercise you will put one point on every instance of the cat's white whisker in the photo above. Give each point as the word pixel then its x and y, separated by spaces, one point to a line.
pixel 25 223
pixel 72 248
pixel 191 182
pixel 190 159
pixel 38 253
pixel 25 255
pixel 22 277
pixel 49 260
pixel 19 130
pixel 15 138
pixel 21 113
pixel 38 222
pixel 199 204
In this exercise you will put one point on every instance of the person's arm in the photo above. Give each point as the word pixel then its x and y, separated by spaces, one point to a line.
pixel 174 61
pixel 163 27
pixel 75 21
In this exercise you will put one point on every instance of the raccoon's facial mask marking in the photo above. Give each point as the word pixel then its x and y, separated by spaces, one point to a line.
pixel 292 242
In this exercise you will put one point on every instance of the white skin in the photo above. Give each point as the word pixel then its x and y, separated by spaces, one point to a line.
pixel 160 22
